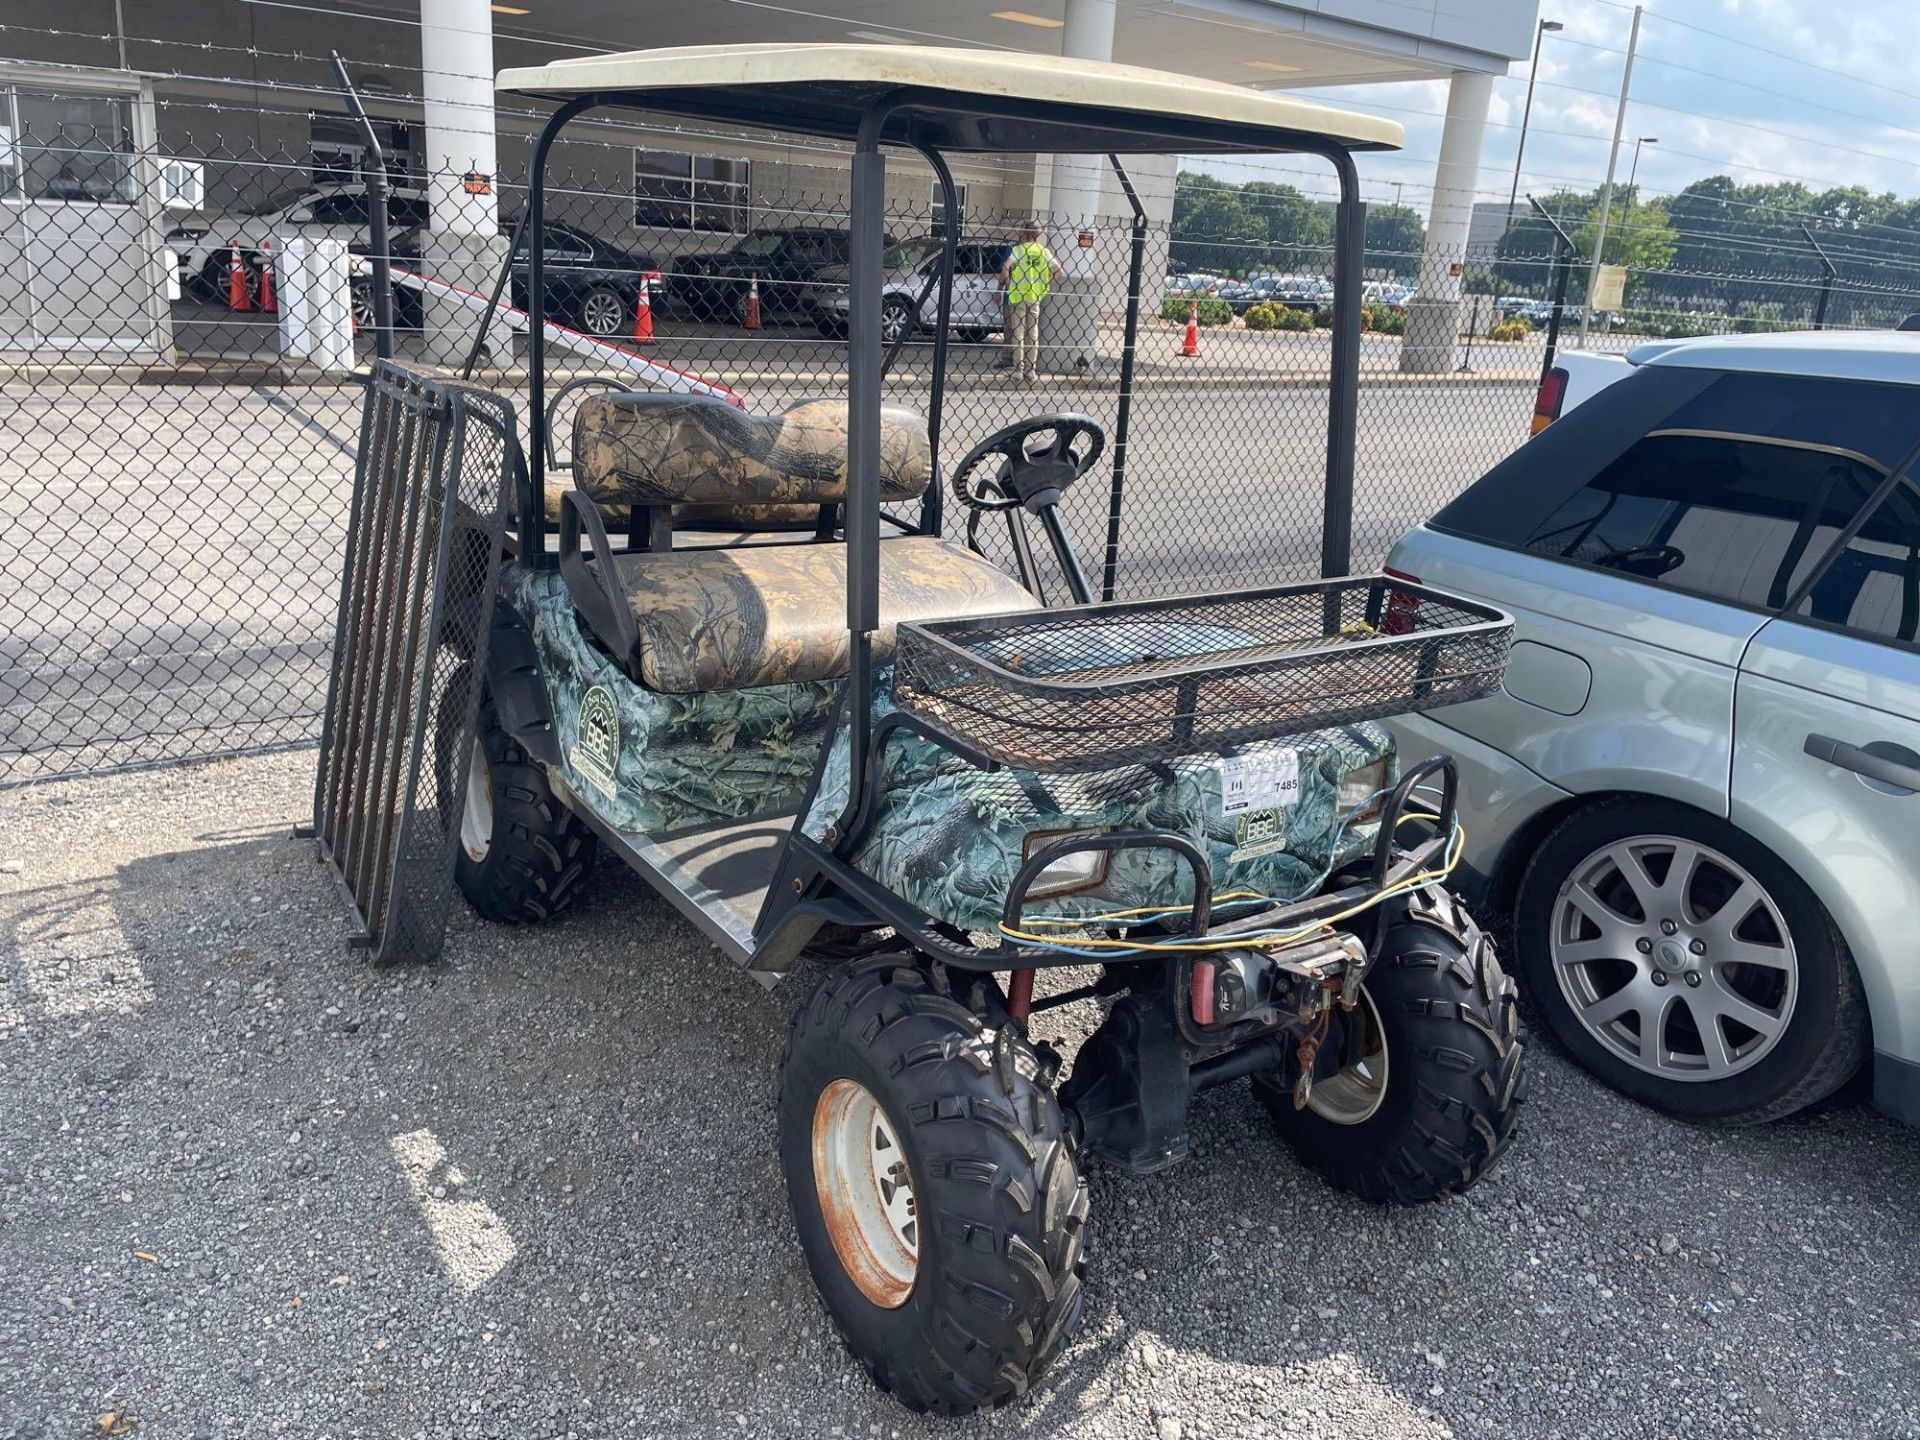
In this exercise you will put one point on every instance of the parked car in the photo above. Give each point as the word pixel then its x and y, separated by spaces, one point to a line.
pixel 204 243
pixel 1385 294
pixel 1699 792
pixel 910 264
pixel 1303 290
pixel 1243 295
pixel 1193 285
pixel 589 281
pixel 714 287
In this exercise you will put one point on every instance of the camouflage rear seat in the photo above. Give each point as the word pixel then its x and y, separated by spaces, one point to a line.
pixel 753 615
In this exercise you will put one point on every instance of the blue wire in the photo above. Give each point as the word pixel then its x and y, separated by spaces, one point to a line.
pixel 1082 952
pixel 1333 855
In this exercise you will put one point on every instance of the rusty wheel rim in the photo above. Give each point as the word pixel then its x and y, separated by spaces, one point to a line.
pixel 476 812
pixel 866 1194
pixel 1354 1096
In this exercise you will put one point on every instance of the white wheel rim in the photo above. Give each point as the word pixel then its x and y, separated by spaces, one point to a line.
pixel 893 323
pixel 866 1193
pixel 1674 957
pixel 476 816
pixel 1355 1094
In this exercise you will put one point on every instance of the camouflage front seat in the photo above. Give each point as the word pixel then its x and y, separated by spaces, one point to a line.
pixel 734 618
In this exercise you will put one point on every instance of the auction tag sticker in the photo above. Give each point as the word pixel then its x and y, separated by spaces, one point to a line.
pixel 1259 782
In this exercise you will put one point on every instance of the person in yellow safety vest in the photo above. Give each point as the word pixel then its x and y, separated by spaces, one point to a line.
pixel 1027 275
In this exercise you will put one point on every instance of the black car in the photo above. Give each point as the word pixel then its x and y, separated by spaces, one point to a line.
pixel 714 287
pixel 589 283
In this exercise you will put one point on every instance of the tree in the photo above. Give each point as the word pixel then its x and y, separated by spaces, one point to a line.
pixel 1395 237
pixel 1299 234
pixel 1212 228
pixel 1639 237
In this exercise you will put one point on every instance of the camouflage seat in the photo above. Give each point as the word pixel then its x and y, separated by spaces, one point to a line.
pixel 752 615
pixel 689 621
pixel 672 450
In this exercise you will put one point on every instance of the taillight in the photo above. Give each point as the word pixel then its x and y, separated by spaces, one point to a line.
pixel 1549 398
pixel 1402 606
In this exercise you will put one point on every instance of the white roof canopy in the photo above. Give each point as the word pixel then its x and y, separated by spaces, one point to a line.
pixel 957 99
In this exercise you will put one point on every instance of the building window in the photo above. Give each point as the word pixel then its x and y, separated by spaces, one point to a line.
pixel 67 147
pixel 673 191
pixel 940 206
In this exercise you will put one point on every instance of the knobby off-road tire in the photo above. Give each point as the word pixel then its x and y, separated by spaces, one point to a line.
pixel 523 855
pixel 998 1206
pixel 1444 1089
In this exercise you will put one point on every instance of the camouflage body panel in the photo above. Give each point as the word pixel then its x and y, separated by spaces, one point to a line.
pixel 680 761
pixel 659 449
pixel 758 615
pixel 949 838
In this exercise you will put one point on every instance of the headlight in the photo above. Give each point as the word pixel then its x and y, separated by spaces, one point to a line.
pixel 1361 791
pixel 1081 870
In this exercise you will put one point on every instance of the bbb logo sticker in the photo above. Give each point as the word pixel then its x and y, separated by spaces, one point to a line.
pixel 1263 833
pixel 596 754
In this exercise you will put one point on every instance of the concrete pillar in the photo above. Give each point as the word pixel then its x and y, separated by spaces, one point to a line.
pixel 1070 318
pixel 1433 317
pixel 463 245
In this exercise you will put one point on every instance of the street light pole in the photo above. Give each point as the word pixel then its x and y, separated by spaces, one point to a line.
pixel 1634 169
pixel 1606 191
pixel 1526 113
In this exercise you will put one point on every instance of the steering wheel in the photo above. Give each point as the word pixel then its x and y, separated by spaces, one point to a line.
pixel 1034 471
pixel 1649 562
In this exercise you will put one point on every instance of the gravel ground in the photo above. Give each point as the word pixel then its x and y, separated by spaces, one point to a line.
pixel 251 1187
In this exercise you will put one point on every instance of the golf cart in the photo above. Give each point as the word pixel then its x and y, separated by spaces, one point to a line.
pixel 887 752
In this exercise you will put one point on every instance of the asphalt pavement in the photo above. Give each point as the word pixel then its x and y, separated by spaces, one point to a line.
pixel 251 1187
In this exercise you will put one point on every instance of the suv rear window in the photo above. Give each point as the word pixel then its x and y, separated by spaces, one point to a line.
pixel 1731 517
pixel 1722 484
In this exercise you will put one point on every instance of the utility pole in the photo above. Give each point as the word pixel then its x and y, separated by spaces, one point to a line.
pixel 1633 170
pixel 1526 113
pixel 1606 191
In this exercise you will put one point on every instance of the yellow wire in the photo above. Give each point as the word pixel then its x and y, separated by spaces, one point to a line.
pixel 1456 847
pixel 1074 922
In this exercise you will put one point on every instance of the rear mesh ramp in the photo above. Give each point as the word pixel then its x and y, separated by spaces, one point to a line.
pixel 416 603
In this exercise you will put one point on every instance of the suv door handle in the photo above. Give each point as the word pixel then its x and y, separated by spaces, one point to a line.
pixel 1864 762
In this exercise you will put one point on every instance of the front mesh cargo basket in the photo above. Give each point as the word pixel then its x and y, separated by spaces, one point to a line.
pixel 1104 685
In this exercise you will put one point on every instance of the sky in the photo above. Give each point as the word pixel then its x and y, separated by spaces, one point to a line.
pixel 1760 111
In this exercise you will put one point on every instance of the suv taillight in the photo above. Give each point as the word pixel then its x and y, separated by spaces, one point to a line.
pixel 1549 398
pixel 1401 607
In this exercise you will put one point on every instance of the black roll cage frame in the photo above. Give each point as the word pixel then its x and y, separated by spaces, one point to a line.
pixel 866 367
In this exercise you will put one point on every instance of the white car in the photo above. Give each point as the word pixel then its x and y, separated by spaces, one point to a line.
pixel 1698 793
pixel 205 243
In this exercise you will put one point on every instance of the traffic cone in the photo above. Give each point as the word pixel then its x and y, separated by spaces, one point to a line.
pixel 1190 343
pixel 268 306
pixel 238 299
pixel 643 309
pixel 753 302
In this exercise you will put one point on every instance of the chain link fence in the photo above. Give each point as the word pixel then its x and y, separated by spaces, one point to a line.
pixel 181 341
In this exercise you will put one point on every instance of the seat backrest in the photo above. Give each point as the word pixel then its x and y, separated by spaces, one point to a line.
pixel 657 449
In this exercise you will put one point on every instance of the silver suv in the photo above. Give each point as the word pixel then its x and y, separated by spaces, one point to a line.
pixel 1696 794
pixel 909 266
